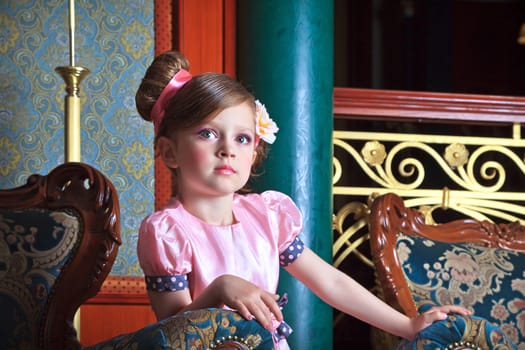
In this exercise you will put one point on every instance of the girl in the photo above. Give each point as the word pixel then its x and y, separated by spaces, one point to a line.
pixel 212 246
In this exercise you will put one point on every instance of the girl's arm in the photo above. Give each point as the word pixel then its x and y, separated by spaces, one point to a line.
pixel 236 293
pixel 345 294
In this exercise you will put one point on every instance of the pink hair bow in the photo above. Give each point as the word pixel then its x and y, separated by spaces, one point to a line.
pixel 158 110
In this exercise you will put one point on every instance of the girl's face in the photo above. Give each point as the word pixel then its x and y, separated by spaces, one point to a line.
pixel 215 158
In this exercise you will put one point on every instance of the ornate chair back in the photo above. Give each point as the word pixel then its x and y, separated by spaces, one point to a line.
pixel 59 236
pixel 477 264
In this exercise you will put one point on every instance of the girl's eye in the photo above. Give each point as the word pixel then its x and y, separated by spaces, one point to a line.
pixel 206 134
pixel 244 139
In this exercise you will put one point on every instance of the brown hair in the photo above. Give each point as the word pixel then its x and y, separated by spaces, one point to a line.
pixel 199 100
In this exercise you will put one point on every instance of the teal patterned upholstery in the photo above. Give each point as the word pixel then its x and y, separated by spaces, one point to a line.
pixel 35 245
pixel 450 334
pixel 201 329
pixel 487 280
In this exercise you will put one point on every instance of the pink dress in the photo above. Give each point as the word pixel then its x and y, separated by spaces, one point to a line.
pixel 177 250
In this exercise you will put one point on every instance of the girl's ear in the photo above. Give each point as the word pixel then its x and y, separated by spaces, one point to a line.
pixel 167 151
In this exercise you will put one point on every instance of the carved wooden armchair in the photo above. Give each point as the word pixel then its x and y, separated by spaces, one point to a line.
pixel 59 237
pixel 476 264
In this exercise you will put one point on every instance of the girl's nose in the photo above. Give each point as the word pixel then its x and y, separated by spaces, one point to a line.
pixel 226 150
pixel 227 154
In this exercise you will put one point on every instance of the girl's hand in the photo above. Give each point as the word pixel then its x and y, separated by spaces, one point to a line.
pixel 248 299
pixel 436 313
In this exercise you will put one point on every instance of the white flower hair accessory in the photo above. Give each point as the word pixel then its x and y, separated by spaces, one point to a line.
pixel 265 127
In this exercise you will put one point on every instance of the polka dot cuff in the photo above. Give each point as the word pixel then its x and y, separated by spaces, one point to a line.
pixel 166 283
pixel 292 252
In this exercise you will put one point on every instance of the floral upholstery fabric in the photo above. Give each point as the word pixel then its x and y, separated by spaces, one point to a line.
pixel 193 330
pixel 470 332
pixel 35 245
pixel 458 330
pixel 488 281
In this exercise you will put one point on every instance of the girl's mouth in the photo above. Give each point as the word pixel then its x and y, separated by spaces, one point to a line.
pixel 224 170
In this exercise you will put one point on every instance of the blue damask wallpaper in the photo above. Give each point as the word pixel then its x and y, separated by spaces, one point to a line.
pixel 114 40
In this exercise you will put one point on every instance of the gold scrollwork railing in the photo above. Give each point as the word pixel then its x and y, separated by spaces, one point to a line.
pixel 479 177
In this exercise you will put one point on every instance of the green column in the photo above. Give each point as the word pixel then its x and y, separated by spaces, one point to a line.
pixel 285 57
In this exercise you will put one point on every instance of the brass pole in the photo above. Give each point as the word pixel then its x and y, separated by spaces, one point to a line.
pixel 72 76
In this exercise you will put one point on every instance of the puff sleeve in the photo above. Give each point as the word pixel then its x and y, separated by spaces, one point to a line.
pixel 287 222
pixel 164 252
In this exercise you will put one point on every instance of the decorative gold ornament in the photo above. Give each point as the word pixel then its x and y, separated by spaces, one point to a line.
pixel 456 155
pixel 373 153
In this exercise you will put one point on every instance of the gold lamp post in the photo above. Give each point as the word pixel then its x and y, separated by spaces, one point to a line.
pixel 72 76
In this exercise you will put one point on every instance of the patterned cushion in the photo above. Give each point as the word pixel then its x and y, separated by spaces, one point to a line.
pixel 488 281
pixel 35 244
pixel 468 332
pixel 201 329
